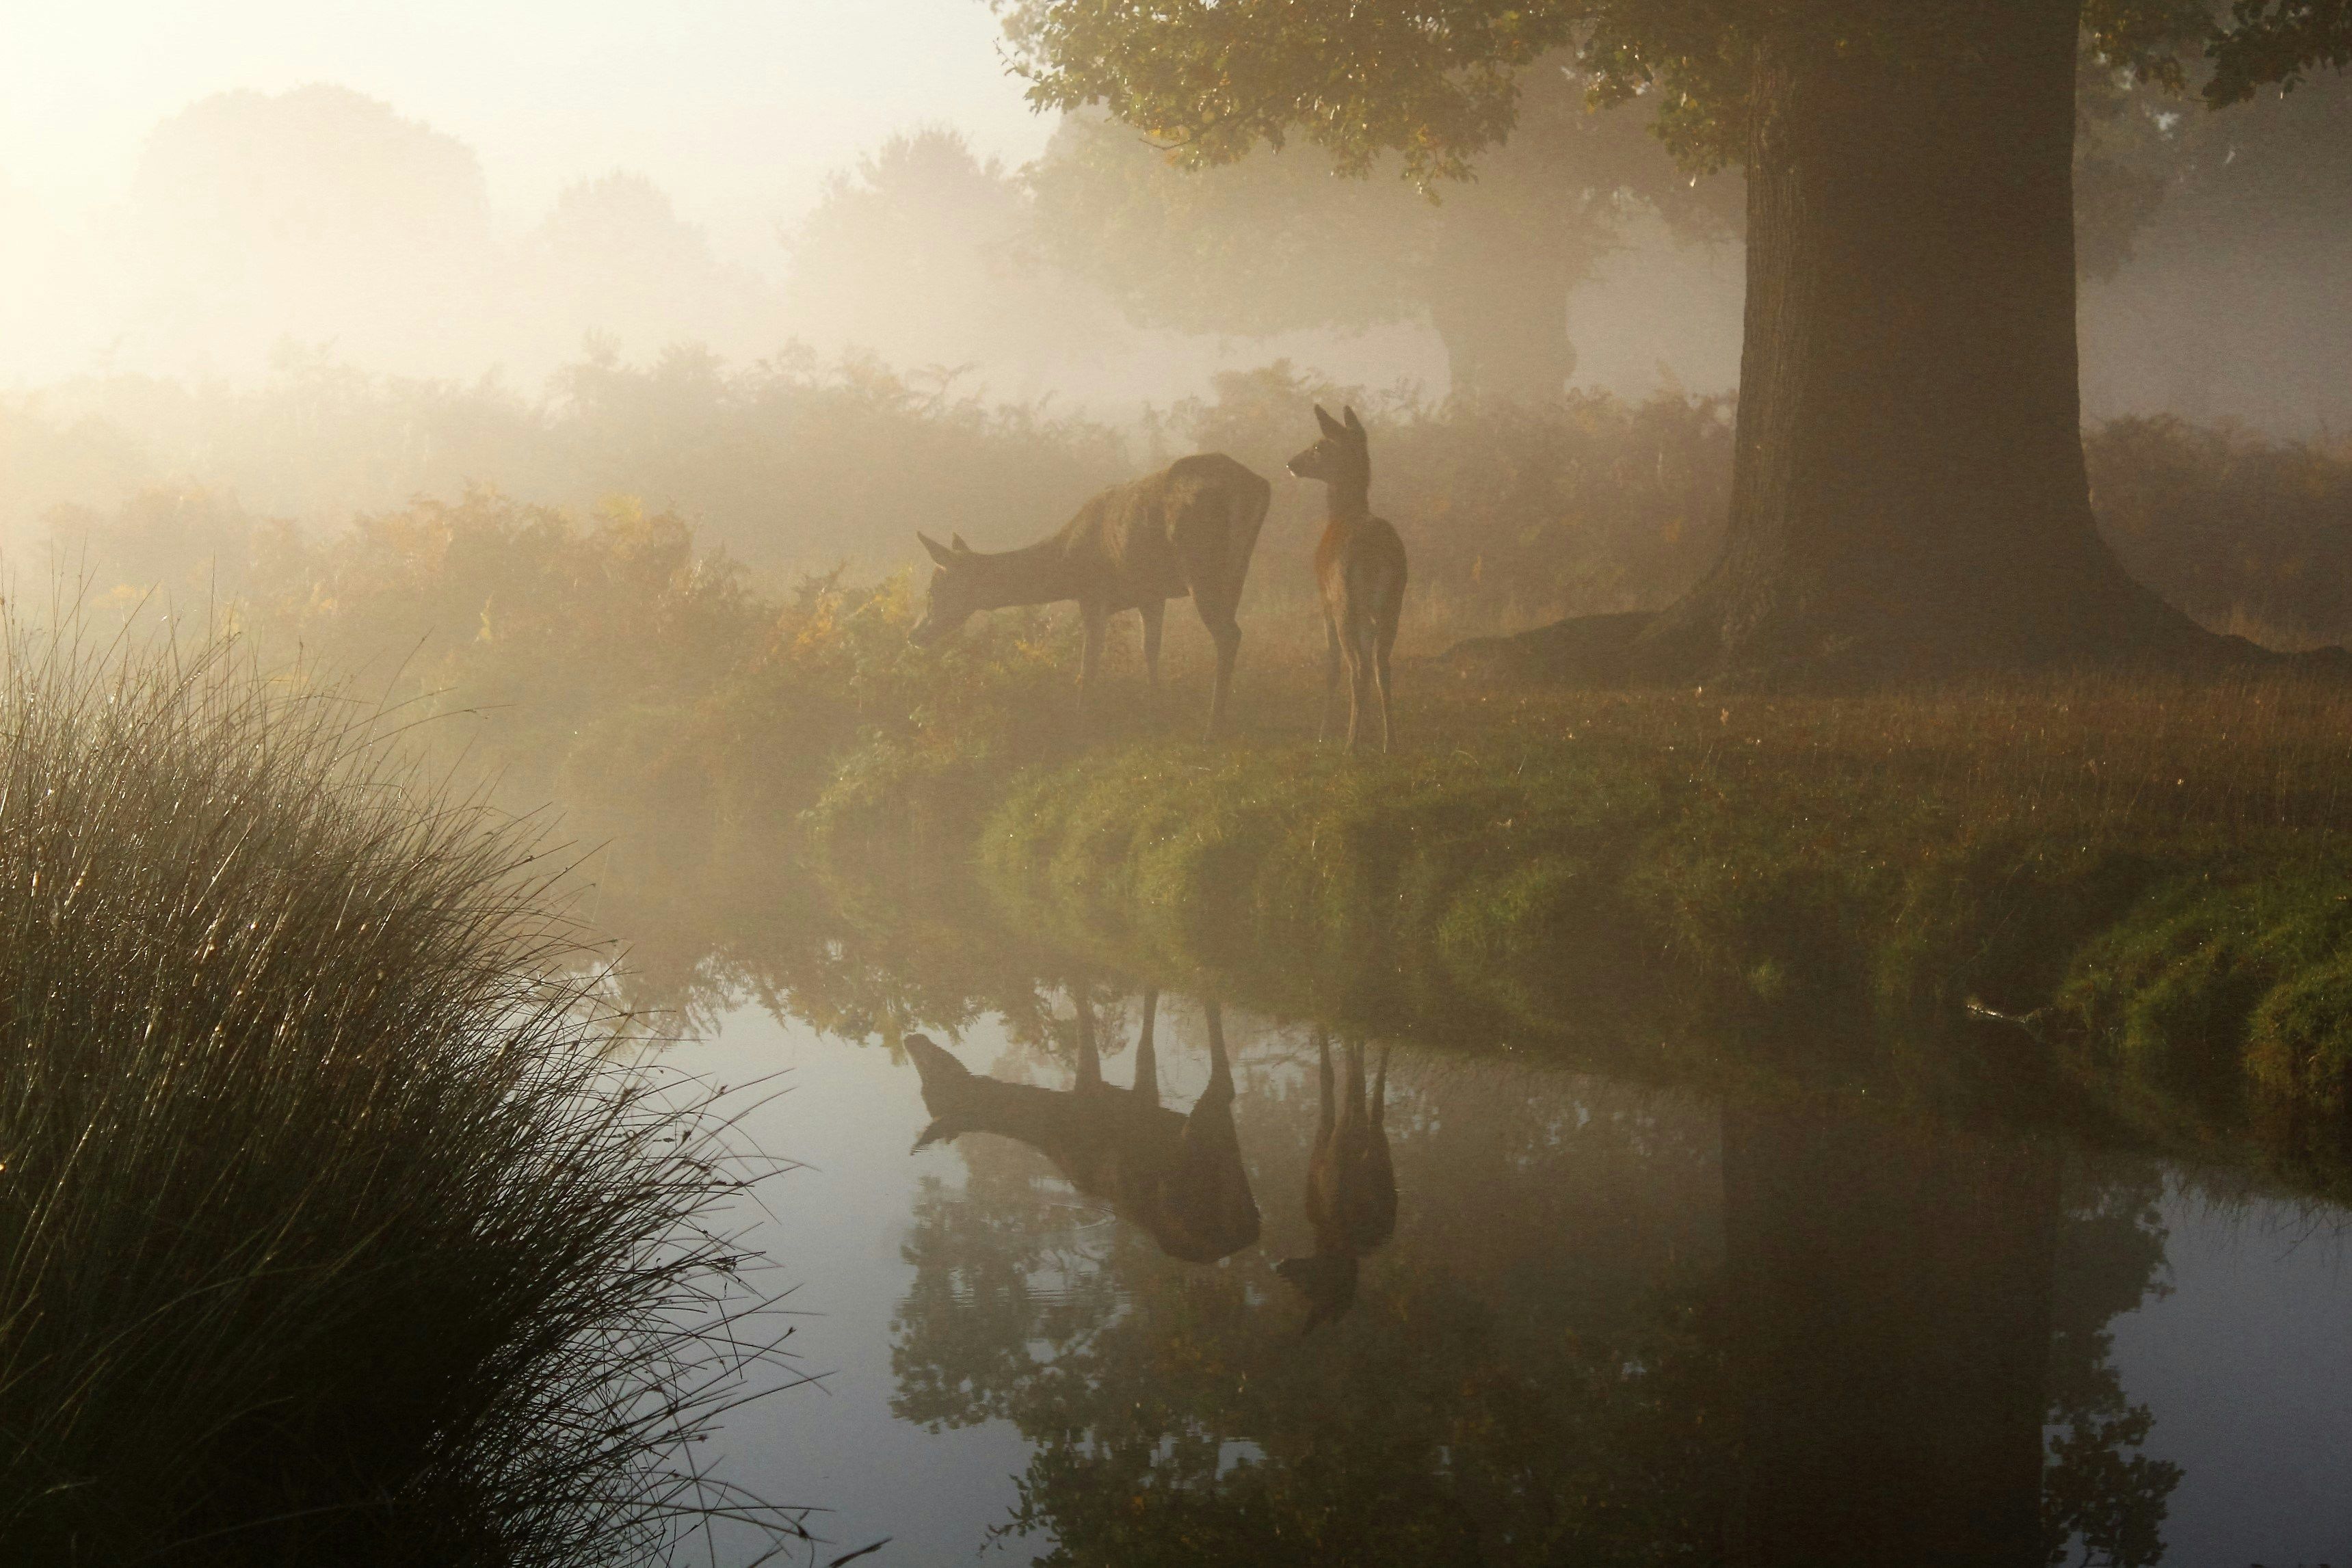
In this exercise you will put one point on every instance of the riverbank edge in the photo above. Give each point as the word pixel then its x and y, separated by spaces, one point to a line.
pixel 2197 984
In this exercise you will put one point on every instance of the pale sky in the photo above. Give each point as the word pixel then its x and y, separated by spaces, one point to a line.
pixel 737 108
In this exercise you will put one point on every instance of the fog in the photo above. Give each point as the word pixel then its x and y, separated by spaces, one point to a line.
pixel 214 276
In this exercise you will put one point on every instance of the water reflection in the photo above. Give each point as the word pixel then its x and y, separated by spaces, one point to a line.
pixel 1352 1201
pixel 1178 1177
pixel 1609 1323
pixel 1888 1286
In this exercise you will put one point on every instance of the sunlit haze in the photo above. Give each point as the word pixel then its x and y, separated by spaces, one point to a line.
pixel 737 108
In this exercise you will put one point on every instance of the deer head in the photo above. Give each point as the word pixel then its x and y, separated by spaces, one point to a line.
pixel 1343 458
pixel 955 592
pixel 1328 1280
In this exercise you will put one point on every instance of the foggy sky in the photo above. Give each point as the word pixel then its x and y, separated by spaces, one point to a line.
pixel 737 109
pixel 642 172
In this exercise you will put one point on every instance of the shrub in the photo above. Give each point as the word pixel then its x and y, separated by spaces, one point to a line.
pixel 788 462
pixel 2242 532
pixel 328 1230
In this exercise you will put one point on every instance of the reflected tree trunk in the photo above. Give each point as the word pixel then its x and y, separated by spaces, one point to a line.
pixel 1890 1289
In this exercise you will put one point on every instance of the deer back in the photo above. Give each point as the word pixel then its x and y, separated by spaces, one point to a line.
pixel 1178 1178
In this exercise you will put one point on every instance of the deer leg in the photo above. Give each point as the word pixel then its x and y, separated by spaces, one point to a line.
pixel 1330 675
pixel 1352 649
pixel 1227 633
pixel 1147 1054
pixel 1324 1108
pixel 1220 1068
pixel 1096 621
pixel 1154 612
pixel 1387 638
pixel 1089 1057
pixel 1352 1102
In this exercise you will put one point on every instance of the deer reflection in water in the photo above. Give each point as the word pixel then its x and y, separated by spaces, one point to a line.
pixel 1178 1177
pixel 1350 1185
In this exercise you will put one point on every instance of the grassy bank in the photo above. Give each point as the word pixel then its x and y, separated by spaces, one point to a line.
pixel 2148 875
pixel 329 1232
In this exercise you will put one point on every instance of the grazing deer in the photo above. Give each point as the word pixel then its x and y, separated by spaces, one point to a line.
pixel 1178 1177
pixel 1350 1187
pixel 1359 566
pixel 1187 529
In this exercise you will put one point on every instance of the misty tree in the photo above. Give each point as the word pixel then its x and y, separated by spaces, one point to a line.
pixel 1910 493
pixel 919 255
pixel 1279 242
pixel 316 214
pixel 614 260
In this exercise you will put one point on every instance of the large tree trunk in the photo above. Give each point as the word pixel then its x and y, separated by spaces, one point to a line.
pixel 1909 492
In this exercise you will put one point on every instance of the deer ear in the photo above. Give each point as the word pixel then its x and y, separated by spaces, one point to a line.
pixel 938 551
pixel 955 543
pixel 942 1130
pixel 1331 426
pixel 1355 425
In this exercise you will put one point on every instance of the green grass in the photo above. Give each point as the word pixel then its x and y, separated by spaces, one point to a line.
pixel 2152 869
pixel 329 1231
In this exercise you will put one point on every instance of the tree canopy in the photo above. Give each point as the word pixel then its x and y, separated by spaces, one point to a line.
pixel 1438 83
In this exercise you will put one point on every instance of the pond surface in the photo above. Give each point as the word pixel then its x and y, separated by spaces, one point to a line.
pixel 1596 1322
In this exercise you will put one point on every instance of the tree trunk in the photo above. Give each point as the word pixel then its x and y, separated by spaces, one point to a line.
pixel 1498 298
pixel 1909 491
pixel 1506 345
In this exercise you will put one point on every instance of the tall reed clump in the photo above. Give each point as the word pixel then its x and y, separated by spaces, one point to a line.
pixel 330 1230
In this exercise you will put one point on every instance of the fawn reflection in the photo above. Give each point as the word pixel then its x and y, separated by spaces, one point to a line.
pixel 1350 1184
pixel 1178 1177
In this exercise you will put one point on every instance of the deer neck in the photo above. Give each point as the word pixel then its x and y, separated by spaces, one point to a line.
pixel 1350 501
pixel 1033 574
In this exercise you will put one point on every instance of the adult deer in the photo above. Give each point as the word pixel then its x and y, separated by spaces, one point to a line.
pixel 1178 1177
pixel 1187 529
pixel 1350 1187
pixel 1359 567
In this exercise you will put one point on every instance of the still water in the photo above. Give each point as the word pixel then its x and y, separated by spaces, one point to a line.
pixel 1512 1315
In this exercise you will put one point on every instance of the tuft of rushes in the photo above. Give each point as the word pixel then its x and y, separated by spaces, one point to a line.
pixel 331 1231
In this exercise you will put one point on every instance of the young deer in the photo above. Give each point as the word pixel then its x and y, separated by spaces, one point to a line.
pixel 1359 566
pixel 1178 1177
pixel 1350 1187
pixel 1188 530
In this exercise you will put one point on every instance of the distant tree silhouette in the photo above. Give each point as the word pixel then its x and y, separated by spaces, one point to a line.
pixel 313 213
pixel 613 259
pixel 919 255
pixel 1279 241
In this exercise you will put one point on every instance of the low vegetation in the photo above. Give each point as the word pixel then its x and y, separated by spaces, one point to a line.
pixel 2145 877
pixel 1512 515
pixel 786 462
pixel 330 1230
